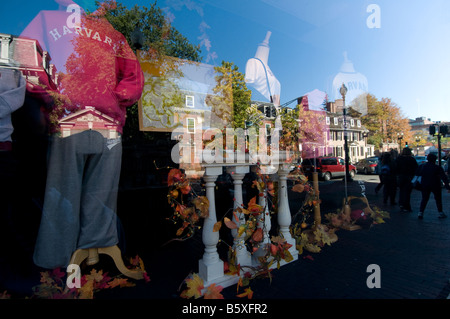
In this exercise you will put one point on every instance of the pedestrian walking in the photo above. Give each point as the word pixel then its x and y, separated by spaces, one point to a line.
pixel 448 165
pixel 406 168
pixel 388 177
pixel 378 170
pixel 432 175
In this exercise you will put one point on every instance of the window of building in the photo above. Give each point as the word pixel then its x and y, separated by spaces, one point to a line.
pixel 268 127
pixel 190 122
pixel 327 120
pixel 189 101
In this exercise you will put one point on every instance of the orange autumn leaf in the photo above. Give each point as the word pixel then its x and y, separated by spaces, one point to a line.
pixel 87 290
pixel 120 282
pixel 278 239
pixel 194 287
pixel 253 207
pixel 213 292
pixel 182 228
pixel 299 188
pixel 258 185
pixel 180 208
pixel 217 226
pixel 202 204
pixel 239 284
pixel 247 293
pixel 241 210
pixel 95 275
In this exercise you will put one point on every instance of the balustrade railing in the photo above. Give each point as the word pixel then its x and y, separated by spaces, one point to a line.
pixel 211 267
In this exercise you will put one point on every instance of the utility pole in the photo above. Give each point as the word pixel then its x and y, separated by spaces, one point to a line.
pixel 343 91
pixel 442 130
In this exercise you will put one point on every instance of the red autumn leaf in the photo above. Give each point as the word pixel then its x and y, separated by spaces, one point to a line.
pixel 146 277
pixel 273 249
pixel 185 188
pixel 258 235
pixel 175 175
pixel 229 223
pixel 270 188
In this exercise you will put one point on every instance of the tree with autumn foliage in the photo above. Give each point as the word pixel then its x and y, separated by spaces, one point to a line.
pixel 385 120
pixel 231 99
pixel 159 38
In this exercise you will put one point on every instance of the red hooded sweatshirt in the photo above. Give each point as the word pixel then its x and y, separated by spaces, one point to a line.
pixel 95 65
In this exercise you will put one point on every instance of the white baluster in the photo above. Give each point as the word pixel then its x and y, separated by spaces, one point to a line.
pixel 211 266
pixel 243 256
pixel 265 224
pixel 284 213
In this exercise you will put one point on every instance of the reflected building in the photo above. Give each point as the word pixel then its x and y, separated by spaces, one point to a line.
pixel 28 56
pixel 356 132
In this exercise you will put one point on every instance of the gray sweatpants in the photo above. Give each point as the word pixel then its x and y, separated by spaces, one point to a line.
pixel 81 197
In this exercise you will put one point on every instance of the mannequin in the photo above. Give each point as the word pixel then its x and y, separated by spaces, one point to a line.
pixel 97 68
pixel 259 75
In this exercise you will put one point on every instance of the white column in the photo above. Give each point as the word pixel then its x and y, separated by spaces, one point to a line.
pixel 284 213
pixel 5 40
pixel 265 224
pixel 243 256
pixel 210 266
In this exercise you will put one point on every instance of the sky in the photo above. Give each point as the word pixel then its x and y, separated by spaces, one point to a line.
pixel 401 47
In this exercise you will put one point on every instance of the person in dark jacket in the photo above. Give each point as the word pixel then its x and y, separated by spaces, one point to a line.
pixel 388 176
pixel 406 169
pixel 432 175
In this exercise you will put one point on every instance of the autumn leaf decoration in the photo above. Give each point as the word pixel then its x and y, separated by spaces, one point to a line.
pixel 53 283
pixel 188 208
pixel 247 222
pixel 195 289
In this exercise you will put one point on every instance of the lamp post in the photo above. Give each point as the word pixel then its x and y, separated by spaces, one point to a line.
pixel 365 135
pixel 343 91
pixel 400 137
pixel 418 138
pixel 347 209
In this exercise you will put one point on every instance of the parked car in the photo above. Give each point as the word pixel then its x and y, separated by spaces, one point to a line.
pixel 327 167
pixel 367 165
pixel 421 159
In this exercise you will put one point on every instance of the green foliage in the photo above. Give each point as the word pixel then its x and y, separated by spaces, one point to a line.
pixel 158 34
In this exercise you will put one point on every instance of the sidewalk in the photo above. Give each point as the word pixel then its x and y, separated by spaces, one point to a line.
pixel 413 256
